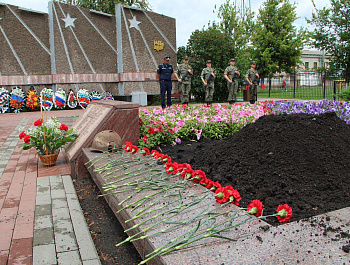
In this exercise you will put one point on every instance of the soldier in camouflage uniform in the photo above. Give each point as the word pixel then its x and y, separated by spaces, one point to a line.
pixel 184 82
pixel 252 78
pixel 208 75
pixel 231 74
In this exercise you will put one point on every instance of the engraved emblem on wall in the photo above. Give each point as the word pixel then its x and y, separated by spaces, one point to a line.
pixel 158 45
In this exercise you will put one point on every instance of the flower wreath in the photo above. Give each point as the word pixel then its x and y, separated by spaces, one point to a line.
pixel 95 96
pixel 4 100
pixel 72 101
pixel 83 98
pixel 107 96
pixel 46 96
pixel 60 99
pixel 32 102
pixel 17 99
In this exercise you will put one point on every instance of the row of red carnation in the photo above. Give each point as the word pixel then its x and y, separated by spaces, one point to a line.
pixel 223 195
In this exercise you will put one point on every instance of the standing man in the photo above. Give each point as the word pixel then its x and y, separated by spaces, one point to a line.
pixel 231 74
pixel 164 72
pixel 252 78
pixel 208 75
pixel 184 74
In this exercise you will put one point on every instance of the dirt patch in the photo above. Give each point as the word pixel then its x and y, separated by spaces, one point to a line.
pixel 104 227
pixel 298 159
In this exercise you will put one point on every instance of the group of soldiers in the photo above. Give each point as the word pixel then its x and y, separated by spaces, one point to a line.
pixel 184 73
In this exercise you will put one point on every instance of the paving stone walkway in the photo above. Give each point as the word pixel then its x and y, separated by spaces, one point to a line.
pixel 41 221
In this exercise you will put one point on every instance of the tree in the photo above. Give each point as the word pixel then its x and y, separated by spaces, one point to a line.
pixel 277 43
pixel 209 44
pixel 108 6
pixel 332 33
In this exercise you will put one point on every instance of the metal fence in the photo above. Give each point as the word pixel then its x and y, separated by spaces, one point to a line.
pixel 302 85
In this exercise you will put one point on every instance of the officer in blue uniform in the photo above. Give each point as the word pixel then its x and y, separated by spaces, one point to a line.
pixel 164 72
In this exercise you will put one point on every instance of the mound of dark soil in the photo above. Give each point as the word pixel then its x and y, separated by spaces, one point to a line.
pixel 300 159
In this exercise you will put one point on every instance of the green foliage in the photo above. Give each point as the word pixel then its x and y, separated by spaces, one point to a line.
pixel 277 43
pixel 332 32
pixel 344 95
pixel 108 6
pixel 210 44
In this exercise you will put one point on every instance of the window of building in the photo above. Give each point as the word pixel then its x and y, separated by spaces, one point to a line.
pixel 306 65
pixel 315 65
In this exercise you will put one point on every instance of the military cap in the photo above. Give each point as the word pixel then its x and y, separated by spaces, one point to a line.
pixel 232 60
pixel 167 58
pixel 208 61
pixel 185 57
pixel 253 62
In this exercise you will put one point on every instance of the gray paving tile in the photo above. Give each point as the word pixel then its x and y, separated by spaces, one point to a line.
pixel 43 182
pixel 58 193
pixel 44 254
pixel 87 248
pixel 68 184
pixel 44 209
pixel 43 236
pixel 67 258
pixel 65 242
pixel 43 190
pixel 43 199
pixel 59 203
pixel 44 221
pixel 60 213
pixel 92 262
pixel 62 226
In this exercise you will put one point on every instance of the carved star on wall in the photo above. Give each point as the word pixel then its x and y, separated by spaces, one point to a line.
pixel 134 23
pixel 69 21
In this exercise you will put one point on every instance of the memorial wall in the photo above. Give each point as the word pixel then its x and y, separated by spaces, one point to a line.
pixel 77 48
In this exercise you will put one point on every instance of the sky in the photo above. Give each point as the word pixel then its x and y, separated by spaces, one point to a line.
pixel 191 15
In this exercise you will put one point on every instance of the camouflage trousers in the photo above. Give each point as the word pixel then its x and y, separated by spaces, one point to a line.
pixel 232 90
pixel 253 91
pixel 209 92
pixel 185 90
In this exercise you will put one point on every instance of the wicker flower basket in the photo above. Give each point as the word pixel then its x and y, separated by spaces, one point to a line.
pixel 49 160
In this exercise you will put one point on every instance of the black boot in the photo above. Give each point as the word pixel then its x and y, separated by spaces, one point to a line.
pixel 233 101
pixel 230 102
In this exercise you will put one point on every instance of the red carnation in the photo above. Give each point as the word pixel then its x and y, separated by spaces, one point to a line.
pixel 227 194
pixel 187 173
pixel 134 149
pixel 215 186
pixel 171 167
pixel 27 139
pixel 183 166
pixel 164 158
pixel 150 131
pixel 128 146
pixel 154 153
pixel 64 127
pixel 22 135
pixel 198 175
pixel 38 122
pixel 284 213
pixel 207 183
pixel 145 151
pixel 255 207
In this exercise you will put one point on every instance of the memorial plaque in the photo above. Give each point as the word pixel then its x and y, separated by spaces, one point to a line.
pixel 87 127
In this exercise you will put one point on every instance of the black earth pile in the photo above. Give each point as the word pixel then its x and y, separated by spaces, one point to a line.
pixel 300 159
